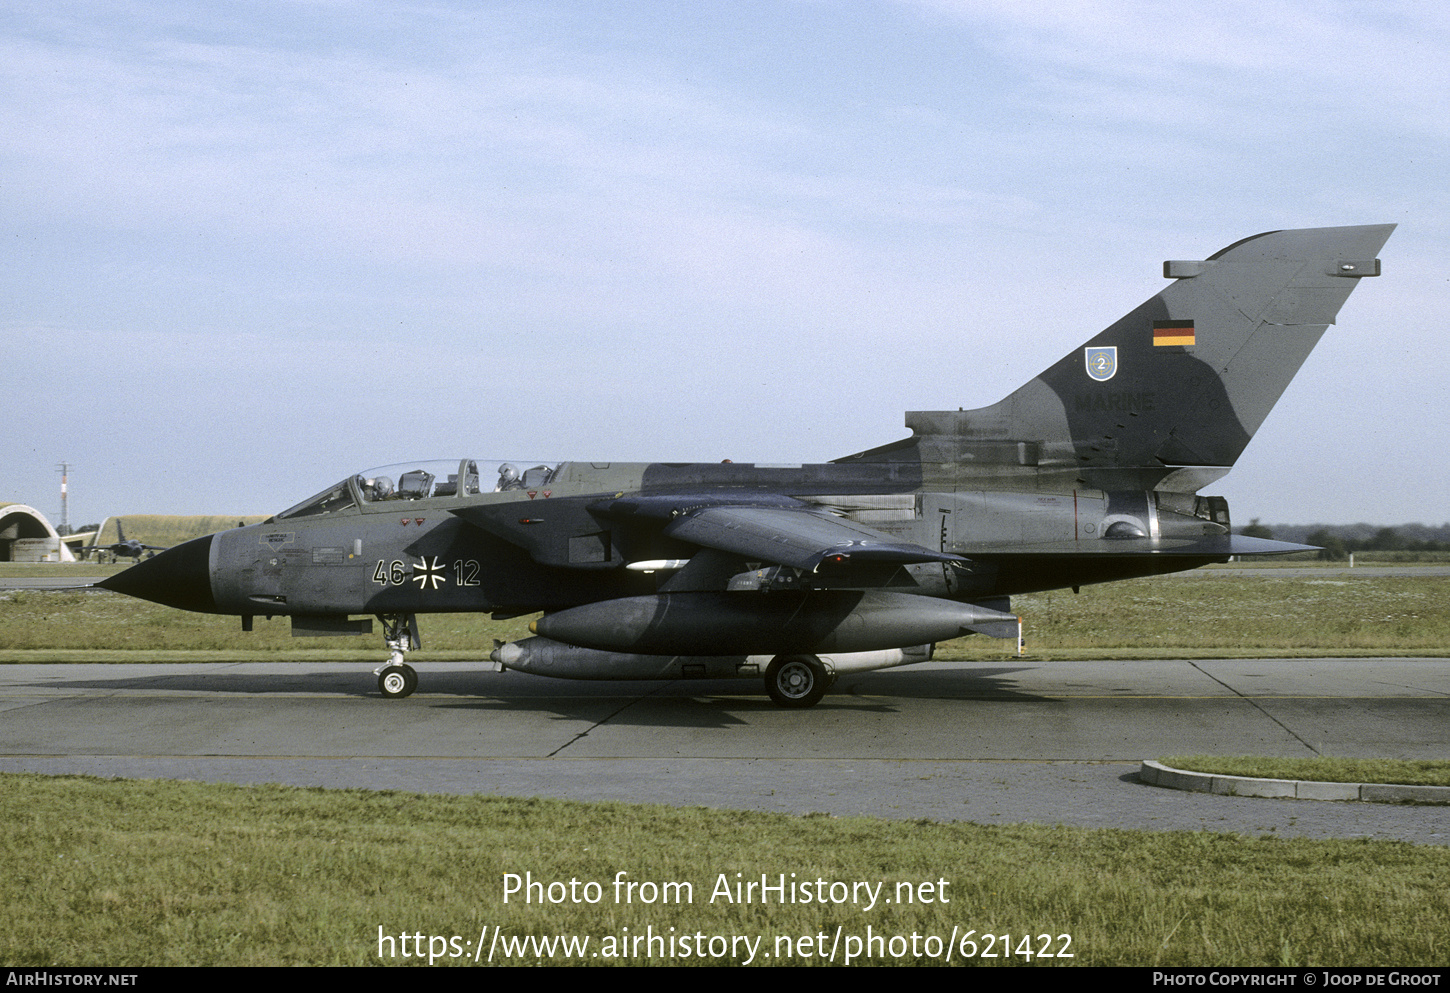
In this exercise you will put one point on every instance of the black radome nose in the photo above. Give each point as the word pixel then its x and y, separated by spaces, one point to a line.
pixel 178 577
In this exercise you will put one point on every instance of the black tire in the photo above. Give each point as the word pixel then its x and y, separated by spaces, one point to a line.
pixel 397 681
pixel 796 681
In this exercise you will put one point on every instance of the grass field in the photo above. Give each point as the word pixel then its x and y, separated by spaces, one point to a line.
pixel 1208 616
pixel 167 530
pixel 1403 772
pixel 1241 616
pixel 155 873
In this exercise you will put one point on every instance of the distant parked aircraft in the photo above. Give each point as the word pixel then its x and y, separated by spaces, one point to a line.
pixel 125 548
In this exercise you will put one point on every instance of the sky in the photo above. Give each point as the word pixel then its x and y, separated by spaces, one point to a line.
pixel 250 249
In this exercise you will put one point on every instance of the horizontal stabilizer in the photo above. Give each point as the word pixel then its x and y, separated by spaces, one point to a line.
pixel 1218 546
pixel 1242 544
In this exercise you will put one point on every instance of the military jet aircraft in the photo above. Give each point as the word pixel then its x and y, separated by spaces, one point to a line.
pixel 125 548
pixel 1089 473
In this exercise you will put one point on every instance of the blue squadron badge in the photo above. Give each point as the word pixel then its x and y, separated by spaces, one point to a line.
pixel 1102 363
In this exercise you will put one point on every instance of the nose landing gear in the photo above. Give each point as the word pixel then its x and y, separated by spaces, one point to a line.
pixel 398 679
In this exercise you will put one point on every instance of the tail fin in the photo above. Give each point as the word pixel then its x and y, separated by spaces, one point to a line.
pixel 1180 384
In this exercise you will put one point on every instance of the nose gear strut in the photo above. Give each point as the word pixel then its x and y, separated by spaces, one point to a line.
pixel 398 679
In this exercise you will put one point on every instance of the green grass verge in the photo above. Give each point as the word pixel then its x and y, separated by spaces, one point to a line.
pixel 1301 560
pixel 79 572
pixel 1319 770
pixel 1255 614
pixel 142 873
pixel 1205 617
pixel 171 529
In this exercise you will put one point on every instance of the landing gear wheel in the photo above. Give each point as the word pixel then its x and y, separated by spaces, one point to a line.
pixel 397 681
pixel 796 681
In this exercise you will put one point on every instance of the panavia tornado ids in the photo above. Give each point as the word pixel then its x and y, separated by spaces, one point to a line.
pixel 125 548
pixel 1089 473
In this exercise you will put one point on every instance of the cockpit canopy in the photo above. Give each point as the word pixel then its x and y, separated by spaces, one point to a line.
pixel 408 481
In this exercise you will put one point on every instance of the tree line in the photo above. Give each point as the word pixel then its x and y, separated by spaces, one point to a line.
pixel 1339 541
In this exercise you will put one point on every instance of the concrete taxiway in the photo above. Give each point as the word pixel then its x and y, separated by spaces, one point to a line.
pixel 1051 742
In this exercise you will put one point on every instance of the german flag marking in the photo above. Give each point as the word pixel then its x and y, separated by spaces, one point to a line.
pixel 1178 333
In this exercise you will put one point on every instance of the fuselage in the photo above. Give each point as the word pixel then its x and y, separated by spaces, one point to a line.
pixel 554 536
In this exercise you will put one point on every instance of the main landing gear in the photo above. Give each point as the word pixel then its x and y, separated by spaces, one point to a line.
pixel 797 681
pixel 398 679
